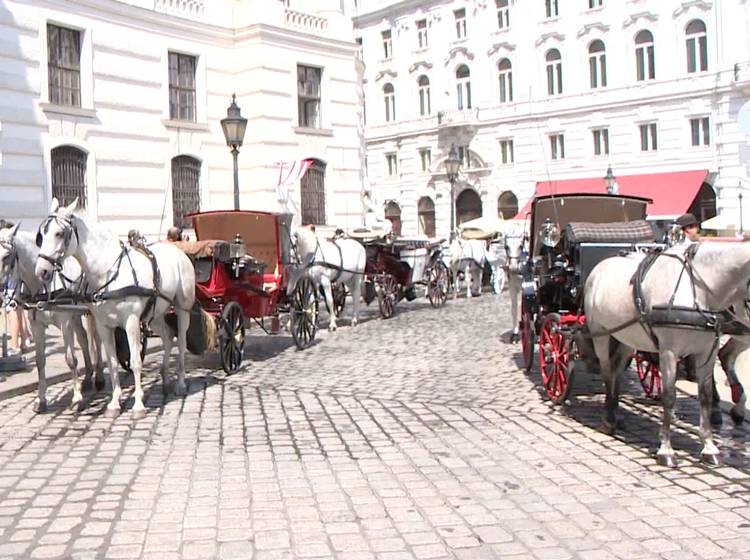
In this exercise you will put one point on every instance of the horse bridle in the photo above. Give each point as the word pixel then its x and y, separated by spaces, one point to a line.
pixel 68 229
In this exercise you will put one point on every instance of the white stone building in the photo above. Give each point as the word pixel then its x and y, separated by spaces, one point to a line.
pixel 120 102
pixel 537 93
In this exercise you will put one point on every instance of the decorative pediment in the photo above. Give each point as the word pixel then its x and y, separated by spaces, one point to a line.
pixel 634 18
pixel 554 35
pixel 502 46
pixel 589 27
pixel 458 52
pixel 421 64
pixel 690 4
pixel 385 73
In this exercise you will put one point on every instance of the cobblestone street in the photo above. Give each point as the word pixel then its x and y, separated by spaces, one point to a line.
pixel 416 437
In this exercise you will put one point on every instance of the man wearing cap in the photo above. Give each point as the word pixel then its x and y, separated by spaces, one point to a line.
pixel 690 226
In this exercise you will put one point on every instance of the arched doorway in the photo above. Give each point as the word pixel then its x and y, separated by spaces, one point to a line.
pixel 507 205
pixel 468 206
pixel 393 214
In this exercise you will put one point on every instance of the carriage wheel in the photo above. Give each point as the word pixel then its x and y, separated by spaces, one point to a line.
pixel 648 374
pixel 554 363
pixel 304 308
pixel 528 339
pixel 387 295
pixel 231 337
pixel 339 299
pixel 437 285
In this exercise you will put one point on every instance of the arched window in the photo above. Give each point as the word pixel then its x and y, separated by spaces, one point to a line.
pixel 468 206
pixel 554 72
pixel 463 87
pixel 697 46
pixel 389 94
pixel 393 214
pixel 644 56
pixel 424 95
pixel 507 205
pixel 186 174
pixel 313 194
pixel 426 213
pixel 597 64
pixel 69 175
pixel 506 81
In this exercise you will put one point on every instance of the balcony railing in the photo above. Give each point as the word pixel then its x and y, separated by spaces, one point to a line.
pixel 187 8
pixel 742 71
pixel 458 117
pixel 305 22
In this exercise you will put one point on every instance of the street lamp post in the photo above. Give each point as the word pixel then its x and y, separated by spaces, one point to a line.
pixel 742 231
pixel 234 126
pixel 452 166
pixel 610 181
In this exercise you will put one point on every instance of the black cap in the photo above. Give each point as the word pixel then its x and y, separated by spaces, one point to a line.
pixel 687 220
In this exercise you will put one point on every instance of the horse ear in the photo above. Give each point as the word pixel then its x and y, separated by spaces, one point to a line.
pixel 68 210
pixel 55 205
pixel 15 230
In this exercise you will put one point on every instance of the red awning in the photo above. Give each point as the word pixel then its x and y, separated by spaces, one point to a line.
pixel 672 193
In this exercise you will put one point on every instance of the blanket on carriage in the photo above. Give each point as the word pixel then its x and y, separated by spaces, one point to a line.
pixel 204 249
pixel 635 231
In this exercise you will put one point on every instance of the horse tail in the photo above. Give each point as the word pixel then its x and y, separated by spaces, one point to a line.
pixel 185 294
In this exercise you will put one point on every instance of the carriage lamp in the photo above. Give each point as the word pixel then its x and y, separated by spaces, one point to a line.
pixel 234 126
pixel 549 233
pixel 237 250
pixel 610 181
pixel 452 166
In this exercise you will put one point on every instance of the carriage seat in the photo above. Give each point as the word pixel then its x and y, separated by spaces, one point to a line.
pixel 636 232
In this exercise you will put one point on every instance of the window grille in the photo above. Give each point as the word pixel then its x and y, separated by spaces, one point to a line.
pixel 313 194
pixel 69 175
pixel 186 199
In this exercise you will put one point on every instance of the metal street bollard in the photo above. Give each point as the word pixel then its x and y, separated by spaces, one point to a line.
pixel 7 362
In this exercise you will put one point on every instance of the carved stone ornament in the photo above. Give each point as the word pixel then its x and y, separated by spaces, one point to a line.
pixel 421 64
pixel 390 73
pixel 456 51
pixel 504 45
pixel 634 18
pixel 554 35
pixel 589 27
pixel 691 4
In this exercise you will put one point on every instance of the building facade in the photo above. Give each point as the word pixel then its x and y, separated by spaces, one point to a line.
pixel 119 102
pixel 541 92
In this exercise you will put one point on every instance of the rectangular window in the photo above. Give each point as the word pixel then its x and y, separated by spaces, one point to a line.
pixel 700 133
pixel 601 141
pixel 552 9
pixel 387 44
pixel 360 51
pixel 506 152
pixel 649 141
pixel 308 96
pixel 392 163
pixel 464 154
pixel 503 14
pixel 64 65
pixel 422 33
pixel 557 146
pixel 595 4
pixel 645 65
pixel 460 16
pixel 182 87
pixel 425 157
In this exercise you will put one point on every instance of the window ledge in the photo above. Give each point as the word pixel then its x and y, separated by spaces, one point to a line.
pixel 313 131
pixel 52 108
pixel 189 125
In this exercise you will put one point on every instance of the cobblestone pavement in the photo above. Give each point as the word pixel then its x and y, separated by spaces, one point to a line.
pixel 416 437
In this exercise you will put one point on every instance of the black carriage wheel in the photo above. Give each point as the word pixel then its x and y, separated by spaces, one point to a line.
pixel 304 311
pixel 528 339
pixel 387 295
pixel 232 337
pixel 555 364
pixel 438 284
pixel 339 299
pixel 123 348
pixel 647 367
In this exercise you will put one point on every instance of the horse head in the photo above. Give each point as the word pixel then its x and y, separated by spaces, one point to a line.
pixel 8 255
pixel 513 253
pixel 57 239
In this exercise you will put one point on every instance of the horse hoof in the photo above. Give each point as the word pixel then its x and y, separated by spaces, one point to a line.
pixel 711 459
pixel 111 412
pixel 332 328
pixel 138 414
pixel 608 428
pixel 666 461
pixel 716 420
pixel 737 418
pixel 40 407
pixel 180 389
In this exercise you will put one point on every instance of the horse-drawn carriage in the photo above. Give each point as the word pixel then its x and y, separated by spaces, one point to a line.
pixel 568 236
pixel 396 267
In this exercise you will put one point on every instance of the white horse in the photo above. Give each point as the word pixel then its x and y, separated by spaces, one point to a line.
pixel 513 255
pixel 470 255
pixel 125 291
pixel 18 255
pixel 734 351
pixel 720 281
pixel 328 263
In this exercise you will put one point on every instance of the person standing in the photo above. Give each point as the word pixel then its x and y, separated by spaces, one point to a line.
pixel 690 226
pixel 19 335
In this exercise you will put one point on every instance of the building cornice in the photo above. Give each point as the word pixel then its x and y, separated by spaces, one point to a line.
pixel 455 51
pixel 417 65
pixel 634 18
pixel 504 45
pixel 690 4
pixel 589 27
pixel 559 37
pixel 393 11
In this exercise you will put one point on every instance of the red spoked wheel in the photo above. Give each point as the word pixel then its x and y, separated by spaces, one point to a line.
pixel 647 367
pixel 528 338
pixel 555 364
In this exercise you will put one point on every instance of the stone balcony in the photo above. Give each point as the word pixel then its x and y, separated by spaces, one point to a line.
pixel 183 8
pixel 742 73
pixel 458 118
pixel 306 23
